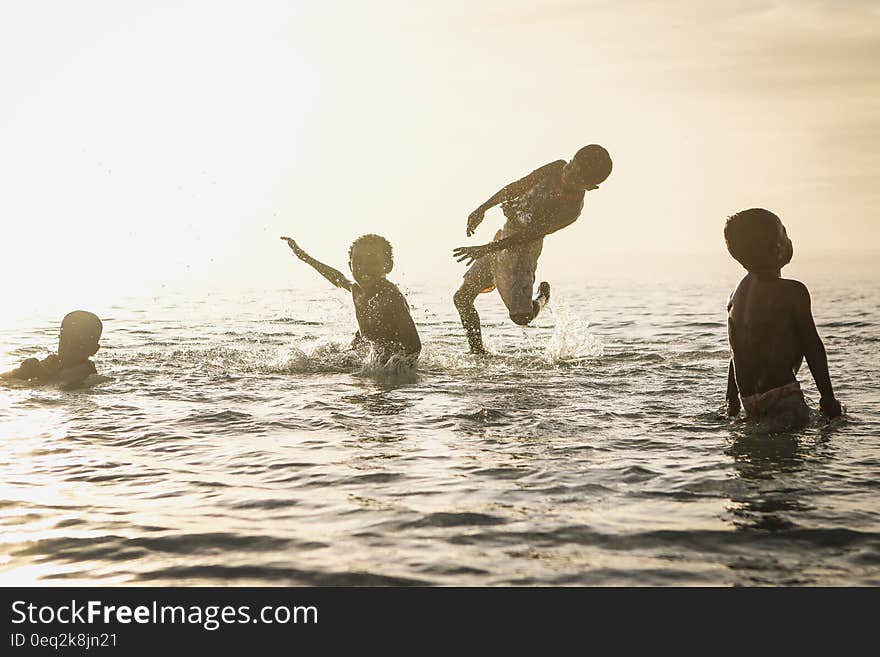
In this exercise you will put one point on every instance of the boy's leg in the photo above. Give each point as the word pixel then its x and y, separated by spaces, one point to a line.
pixel 477 279
pixel 515 277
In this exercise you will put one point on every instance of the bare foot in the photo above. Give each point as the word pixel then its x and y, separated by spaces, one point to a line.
pixel 543 293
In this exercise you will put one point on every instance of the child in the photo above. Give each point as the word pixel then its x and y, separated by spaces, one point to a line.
pixel 546 200
pixel 382 312
pixel 771 329
pixel 80 332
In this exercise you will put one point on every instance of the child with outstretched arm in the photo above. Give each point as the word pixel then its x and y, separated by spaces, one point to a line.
pixel 383 316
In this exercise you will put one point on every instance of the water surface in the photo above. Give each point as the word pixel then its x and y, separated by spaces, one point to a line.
pixel 231 439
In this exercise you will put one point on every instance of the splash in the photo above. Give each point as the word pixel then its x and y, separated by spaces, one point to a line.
pixel 399 368
pixel 568 343
pixel 325 356
pixel 331 356
pixel 571 339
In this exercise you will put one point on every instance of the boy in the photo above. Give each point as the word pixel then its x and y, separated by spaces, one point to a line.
pixel 381 310
pixel 771 329
pixel 546 200
pixel 80 332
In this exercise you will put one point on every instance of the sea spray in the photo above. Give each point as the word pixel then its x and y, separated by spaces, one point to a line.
pixel 323 356
pixel 571 339
pixel 399 368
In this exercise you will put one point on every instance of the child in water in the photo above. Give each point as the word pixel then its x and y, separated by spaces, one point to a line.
pixel 80 332
pixel 545 201
pixel 771 329
pixel 383 315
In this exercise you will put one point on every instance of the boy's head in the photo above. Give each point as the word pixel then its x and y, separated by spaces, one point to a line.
pixel 757 240
pixel 80 332
pixel 370 258
pixel 590 166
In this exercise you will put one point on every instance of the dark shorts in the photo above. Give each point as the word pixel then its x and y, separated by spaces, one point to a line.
pixel 780 409
pixel 512 271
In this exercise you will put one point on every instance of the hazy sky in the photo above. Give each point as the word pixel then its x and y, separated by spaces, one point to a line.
pixel 169 142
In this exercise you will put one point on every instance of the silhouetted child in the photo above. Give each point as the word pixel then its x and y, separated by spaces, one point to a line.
pixel 771 328
pixel 545 201
pixel 382 312
pixel 80 332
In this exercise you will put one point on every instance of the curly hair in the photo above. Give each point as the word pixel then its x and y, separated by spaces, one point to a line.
pixel 752 238
pixel 374 244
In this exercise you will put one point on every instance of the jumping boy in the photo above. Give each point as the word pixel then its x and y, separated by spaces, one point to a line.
pixel 546 200
pixel 80 332
pixel 382 312
pixel 771 329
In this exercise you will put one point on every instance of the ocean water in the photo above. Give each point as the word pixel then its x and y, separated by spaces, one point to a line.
pixel 230 439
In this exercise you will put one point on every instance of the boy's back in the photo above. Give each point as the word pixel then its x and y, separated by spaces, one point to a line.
pixel 762 326
pixel 771 328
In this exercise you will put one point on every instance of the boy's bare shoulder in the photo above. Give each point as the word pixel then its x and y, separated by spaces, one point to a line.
pixel 392 298
pixel 550 167
pixel 384 293
pixel 735 290
pixel 77 373
pixel 393 291
pixel 795 288
pixel 793 284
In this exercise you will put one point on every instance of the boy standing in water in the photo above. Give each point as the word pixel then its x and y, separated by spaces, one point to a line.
pixel 382 312
pixel 546 200
pixel 771 329
pixel 80 332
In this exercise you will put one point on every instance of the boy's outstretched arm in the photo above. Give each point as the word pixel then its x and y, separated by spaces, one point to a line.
pixel 733 404
pixel 336 277
pixel 535 232
pixel 814 350
pixel 508 192
pixel 469 254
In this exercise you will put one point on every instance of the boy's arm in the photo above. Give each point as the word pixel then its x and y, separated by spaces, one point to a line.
pixel 336 277
pixel 733 404
pixel 814 350
pixel 29 369
pixel 469 254
pixel 406 331
pixel 399 317
pixel 508 192
pixel 535 232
